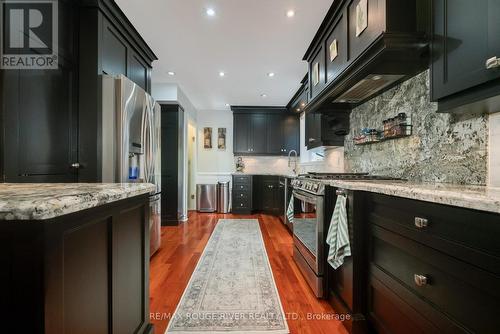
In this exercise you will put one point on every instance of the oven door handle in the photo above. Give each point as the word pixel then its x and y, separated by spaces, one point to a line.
pixel 304 197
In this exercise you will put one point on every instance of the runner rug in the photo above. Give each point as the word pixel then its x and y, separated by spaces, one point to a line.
pixel 232 289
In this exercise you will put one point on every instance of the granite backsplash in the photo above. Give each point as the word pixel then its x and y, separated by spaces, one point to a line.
pixel 443 148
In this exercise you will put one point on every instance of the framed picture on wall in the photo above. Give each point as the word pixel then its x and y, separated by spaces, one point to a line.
pixel 221 141
pixel 207 138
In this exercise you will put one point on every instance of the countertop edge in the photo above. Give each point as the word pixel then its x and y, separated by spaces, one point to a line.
pixel 454 197
pixel 58 203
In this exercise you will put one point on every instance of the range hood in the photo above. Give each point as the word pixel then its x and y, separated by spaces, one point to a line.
pixel 348 67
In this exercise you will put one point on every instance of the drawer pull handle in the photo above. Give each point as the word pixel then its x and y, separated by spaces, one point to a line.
pixel 420 280
pixel 421 222
pixel 492 63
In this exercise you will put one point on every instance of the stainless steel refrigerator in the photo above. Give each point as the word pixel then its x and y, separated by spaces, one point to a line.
pixel 131 142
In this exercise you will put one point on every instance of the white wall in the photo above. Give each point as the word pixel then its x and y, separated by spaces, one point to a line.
pixel 214 164
pixel 494 150
pixel 164 91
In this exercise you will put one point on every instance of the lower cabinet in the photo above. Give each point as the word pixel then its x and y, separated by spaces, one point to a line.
pixel 432 268
pixel 257 193
pixel 270 194
pixel 86 272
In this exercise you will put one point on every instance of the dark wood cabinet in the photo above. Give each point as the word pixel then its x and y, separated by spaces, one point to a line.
pixel 50 117
pixel 326 129
pixel 432 268
pixel 39 113
pixel 242 194
pixel 258 133
pixel 291 134
pixel 265 131
pixel 172 163
pixel 272 195
pixel 108 44
pixel 85 272
pixel 241 130
pixel 466 35
pixel 275 137
pixel 349 63
pixel 257 193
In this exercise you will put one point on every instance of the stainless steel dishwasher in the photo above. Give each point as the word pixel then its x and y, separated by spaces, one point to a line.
pixel 206 197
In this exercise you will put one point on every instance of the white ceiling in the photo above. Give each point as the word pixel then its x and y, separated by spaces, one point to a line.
pixel 246 39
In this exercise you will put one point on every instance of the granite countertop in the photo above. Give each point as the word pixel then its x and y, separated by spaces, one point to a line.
pixel 40 201
pixel 267 174
pixel 480 198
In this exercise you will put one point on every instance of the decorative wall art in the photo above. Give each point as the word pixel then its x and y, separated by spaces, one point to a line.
pixel 221 142
pixel 333 50
pixel 207 138
pixel 361 16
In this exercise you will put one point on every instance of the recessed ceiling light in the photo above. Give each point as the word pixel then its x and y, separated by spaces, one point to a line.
pixel 303 104
pixel 263 95
pixel 290 13
pixel 222 74
pixel 271 74
pixel 171 73
pixel 298 109
pixel 210 12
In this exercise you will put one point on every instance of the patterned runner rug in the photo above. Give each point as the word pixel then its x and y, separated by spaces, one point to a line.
pixel 232 289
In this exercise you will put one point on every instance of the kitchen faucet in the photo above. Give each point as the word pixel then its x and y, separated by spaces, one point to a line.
pixel 294 160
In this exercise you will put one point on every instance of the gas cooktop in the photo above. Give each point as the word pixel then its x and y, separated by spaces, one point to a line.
pixel 312 182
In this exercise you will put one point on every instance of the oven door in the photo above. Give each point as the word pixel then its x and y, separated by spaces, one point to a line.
pixel 308 234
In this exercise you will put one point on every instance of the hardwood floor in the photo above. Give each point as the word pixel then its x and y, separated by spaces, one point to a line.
pixel 182 246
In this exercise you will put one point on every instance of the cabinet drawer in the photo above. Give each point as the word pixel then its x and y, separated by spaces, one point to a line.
pixel 241 194
pixel 389 312
pixel 241 187
pixel 466 234
pixel 241 204
pixel 466 294
pixel 242 179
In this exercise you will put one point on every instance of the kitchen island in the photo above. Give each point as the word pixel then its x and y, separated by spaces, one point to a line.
pixel 75 258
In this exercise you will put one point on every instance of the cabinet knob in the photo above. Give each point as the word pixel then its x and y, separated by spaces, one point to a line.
pixel 75 165
pixel 421 222
pixel 492 63
pixel 420 280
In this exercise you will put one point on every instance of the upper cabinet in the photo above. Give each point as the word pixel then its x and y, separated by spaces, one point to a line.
pixel 465 46
pixel 265 131
pixel 108 44
pixel 364 47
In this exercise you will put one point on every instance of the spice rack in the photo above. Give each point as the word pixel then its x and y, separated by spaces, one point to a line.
pixel 394 128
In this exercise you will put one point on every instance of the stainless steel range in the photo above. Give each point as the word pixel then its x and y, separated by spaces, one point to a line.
pixel 310 223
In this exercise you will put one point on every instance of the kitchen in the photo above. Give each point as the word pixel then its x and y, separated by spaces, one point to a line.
pixel 250 167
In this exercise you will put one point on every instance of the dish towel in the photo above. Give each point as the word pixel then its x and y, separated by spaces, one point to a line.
pixel 290 211
pixel 338 234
